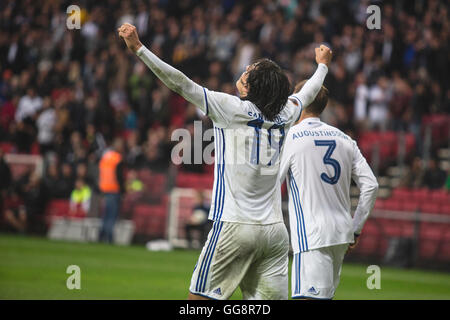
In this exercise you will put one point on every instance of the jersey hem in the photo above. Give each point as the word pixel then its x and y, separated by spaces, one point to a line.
pixel 323 246
pixel 202 295
pixel 308 297
pixel 251 223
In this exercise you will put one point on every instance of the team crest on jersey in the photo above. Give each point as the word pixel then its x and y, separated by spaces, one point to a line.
pixel 218 291
pixel 313 291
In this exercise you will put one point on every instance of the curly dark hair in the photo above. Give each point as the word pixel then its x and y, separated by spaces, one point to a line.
pixel 269 88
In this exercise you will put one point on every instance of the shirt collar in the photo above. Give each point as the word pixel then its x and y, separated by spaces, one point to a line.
pixel 311 119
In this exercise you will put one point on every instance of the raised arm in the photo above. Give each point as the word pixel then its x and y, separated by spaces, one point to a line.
pixel 312 87
pixel 366 181
pixel 171 77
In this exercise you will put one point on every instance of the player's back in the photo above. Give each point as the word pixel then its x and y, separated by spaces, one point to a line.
pixel 318 162
pixel 246 186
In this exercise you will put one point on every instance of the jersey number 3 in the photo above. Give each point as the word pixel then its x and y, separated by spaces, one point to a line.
pixel 331 144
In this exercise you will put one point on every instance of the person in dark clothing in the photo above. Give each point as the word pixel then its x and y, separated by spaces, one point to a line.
pixel 34 203
pixel 198 221
pixel 5 181
pixel 51 180
pixel 14 213
pixel 5 174
pixel 65 182
pixel 434 177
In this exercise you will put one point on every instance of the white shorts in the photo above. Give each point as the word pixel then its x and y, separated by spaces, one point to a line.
pixel 254 257
pixel 316 273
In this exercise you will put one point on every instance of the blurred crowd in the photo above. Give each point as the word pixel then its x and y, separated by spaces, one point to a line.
pixel 66 94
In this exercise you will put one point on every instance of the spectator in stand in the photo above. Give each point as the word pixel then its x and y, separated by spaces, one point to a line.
pixel 95 141
pixel 414 175
pixel 361 100
pixel 379 98
pixel 198 221
pixel 34 202
pixel 28 106
pixel 7 112
pixel 50 181
pixel 154 151
pixel 45 125
pixel 6 178
pixel 434 177
pixel 134 154
pixel 134 194
pixel 81 172
pixel 96 197
pixel 111 183
pixel 80 199
pixel 14 213
pixel 133 183
pixel 447 181
pixel 25 117
pixel 65 182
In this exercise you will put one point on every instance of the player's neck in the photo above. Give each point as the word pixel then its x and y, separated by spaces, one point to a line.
pixel 306 115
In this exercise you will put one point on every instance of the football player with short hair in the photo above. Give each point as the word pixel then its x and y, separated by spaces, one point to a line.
pixel 319 162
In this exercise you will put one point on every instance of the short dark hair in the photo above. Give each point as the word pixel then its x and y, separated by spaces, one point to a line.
pixel 268 88
pixel 320 102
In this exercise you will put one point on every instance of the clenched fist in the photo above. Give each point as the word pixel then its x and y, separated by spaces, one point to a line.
pixel 323 55
pixel 129 33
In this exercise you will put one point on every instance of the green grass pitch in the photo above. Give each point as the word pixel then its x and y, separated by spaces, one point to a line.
pixel 35 268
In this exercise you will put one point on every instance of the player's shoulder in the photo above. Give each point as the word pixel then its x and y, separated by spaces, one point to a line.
pixel 291 111
pixel 222 98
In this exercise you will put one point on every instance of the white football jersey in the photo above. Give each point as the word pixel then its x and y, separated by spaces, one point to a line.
pixel 247 162
pixel 319 162
pixel 247 146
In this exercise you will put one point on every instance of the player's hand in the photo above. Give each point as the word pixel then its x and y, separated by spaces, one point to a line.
pixel 323 55
pixel 129 33
pixel 353 245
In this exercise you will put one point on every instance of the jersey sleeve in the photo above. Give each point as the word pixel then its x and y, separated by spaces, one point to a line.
pixel 285 161
pixel 311 88
pixel 220 107
pixel 365 179
pixel 292 110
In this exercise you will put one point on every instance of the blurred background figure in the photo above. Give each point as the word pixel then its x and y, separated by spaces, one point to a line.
pixel 6 178
pixel 434 177
pixel 15 215
pixel 31 192
pixel 80 199
pixel 198 221
pixel 111 184
pixel 134 184
pixel 413 177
